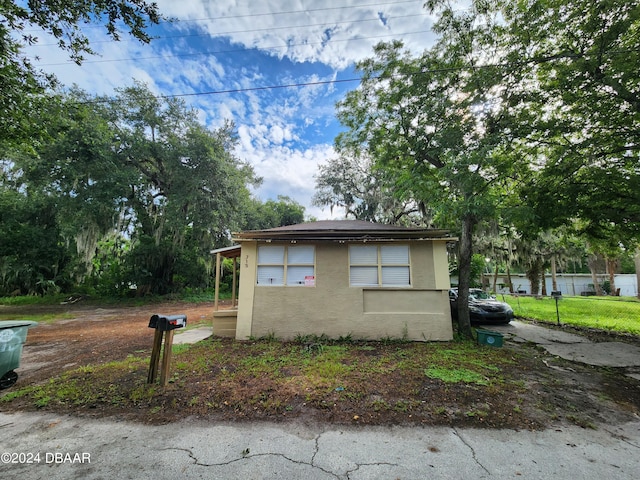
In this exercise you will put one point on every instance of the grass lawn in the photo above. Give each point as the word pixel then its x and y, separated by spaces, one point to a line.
pixel 620 314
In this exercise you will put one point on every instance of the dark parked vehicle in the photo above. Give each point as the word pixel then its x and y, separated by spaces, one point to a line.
pixel 483 308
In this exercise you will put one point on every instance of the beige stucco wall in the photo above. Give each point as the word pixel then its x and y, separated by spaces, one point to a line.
pixel 334 308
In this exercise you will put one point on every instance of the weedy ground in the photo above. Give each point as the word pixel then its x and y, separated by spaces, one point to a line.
pixel 94 361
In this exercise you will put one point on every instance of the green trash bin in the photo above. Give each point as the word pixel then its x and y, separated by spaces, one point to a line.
pixel 487 337
pixel 13 334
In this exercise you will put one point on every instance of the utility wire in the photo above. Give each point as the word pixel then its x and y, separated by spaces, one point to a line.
pixel 251 15
pixel 266 87
pixel 512 65
pixel 308 10
pixel 252 30
pixel 217 52
pixel 264 14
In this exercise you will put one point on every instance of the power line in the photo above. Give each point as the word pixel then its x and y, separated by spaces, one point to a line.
pixel 289 85
pixel 238 50
pixel 240 90
pixel 266 87
pixel 262 14
pixel 308 10
pixel 252 30
pixel 508 65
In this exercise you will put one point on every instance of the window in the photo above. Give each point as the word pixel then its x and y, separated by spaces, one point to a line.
pixel 271 265
pixel 286 265
pixel 379 265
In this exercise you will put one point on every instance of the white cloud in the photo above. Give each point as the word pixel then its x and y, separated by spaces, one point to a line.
pixel 277 128
pixel 336 33
pixel 276 134
pixel 287 171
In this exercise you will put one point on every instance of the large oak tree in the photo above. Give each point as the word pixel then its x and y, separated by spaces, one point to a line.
pixel 20 82
pixel 436 123
pixel 139 167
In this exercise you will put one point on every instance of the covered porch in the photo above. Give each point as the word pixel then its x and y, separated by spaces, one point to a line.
pixel 225 319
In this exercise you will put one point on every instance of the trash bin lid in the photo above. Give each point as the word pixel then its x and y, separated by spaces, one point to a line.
pixel 17 323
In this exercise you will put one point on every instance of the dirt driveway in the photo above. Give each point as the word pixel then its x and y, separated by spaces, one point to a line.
pixel 92 335
pixel 554 390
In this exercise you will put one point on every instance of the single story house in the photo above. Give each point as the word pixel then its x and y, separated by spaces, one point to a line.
pixel 339 278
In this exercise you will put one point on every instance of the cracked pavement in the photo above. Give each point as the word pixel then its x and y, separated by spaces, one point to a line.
pixel 576 348
pixel 194 449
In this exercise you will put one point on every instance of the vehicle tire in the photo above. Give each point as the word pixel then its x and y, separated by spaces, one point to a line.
pixel 8 379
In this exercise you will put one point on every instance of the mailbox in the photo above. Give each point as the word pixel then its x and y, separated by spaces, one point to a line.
pixel 165 323
pixel 162 324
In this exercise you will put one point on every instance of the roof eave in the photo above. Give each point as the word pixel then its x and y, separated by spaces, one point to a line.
pixel 343 236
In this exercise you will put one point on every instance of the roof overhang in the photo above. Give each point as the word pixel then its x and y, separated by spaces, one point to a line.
pixel 227 252
pixel 315 237
pixel 342 231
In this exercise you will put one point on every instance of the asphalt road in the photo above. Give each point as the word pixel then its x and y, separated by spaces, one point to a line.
pixel 46 446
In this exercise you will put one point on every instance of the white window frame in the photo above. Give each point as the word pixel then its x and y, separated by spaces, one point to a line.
pixel 363 267
pixel 292 270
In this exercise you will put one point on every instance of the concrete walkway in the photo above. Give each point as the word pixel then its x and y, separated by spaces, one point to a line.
pixel 193 335
pixel 576 348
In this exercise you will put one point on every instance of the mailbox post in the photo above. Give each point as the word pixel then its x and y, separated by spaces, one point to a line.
pixel 164 326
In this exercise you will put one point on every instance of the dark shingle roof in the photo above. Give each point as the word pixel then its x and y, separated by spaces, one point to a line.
pixel 340 230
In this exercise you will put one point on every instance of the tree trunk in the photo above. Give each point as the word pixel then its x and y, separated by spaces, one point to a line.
pixel 612 266
pixel 554 279
pixel 533 274
pixel 509 281
pixel 593 262
pixel 495 279
pixel 465 252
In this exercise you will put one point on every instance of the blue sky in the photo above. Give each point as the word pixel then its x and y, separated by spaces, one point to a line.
pixel 232 59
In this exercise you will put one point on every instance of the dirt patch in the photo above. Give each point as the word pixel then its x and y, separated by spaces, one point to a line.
pixel 546 389
pixel 91 335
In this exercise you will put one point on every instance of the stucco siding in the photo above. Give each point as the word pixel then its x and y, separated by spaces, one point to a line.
pixel 246 289
pixel 332 307
pixel 225 323
pixel 401 301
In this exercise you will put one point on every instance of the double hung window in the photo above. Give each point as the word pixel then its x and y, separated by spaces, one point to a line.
pixel 286 265
pixel 379 266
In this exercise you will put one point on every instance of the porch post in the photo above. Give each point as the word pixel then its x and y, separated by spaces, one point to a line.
pixel 217 287
pixel 233 288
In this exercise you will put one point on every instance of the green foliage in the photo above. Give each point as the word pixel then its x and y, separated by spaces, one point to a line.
pixel 108 277
pixel 258 216
pixel 33 257
pixel 135 193
pixel 21 84
pixel 279 377
pixel 32 300
pixel 577 64
pixel 353 182
pixel 465 364
pixel 456 376
pixel 478 267
pixel 438 127
pixel 523 117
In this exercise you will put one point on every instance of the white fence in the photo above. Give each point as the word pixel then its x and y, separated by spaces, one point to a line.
pixel 570 284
